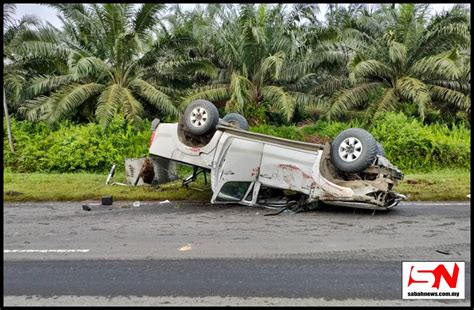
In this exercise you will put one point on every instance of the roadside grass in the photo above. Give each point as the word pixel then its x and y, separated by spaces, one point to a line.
pixel 437 185
pixel 446 184
pixel 88 186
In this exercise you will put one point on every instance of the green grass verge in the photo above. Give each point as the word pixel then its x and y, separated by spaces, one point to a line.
pixel 437 185
pixel 447 184
pixel 78 187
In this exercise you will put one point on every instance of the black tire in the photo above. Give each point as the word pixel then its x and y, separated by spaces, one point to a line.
pixel 201 117
pixel 380 150
pixel 237 120
pixel 353 150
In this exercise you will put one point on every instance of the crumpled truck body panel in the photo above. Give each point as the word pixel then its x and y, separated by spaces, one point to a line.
pixel 243 163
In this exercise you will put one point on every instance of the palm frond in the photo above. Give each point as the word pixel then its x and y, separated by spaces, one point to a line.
pixel 397 52
pixel 330 85
pixel 41 50
pixel 442 66
pixel 281 99
pixel 414 89
pixel 213 93
pixel 370 69
pixel 388 100
pixel 146 18
pixel 109 103
pixel 452 97
pixel 155 97
pixel 88 67
pixel 34 109
pixel 132 108
pixel 240 88
pixel 69 99
pixel 39 85
pixel 273 64
pixel 348 99
pixel 202 66
pixel 14 84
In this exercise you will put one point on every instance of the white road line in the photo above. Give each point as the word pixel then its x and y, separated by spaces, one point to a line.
pixel 45 251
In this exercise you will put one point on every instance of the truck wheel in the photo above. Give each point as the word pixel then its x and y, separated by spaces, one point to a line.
pixel 201 116
pixel 237 120
pixel 353 150
pixel 380 150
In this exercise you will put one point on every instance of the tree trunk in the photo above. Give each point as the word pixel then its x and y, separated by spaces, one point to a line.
pixel 5 107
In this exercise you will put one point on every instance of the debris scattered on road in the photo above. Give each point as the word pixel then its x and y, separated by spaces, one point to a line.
pixel 165 201
pixel 468 196
pixel 443 252
pixel 136 204
pixel 186 247
pixel 111 174
pixel 107 200
pixel 86 208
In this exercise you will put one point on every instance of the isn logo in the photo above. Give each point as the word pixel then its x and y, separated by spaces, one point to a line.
pixel 433 280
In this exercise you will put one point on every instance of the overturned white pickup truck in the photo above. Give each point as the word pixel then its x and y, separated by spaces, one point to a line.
pixel 261 170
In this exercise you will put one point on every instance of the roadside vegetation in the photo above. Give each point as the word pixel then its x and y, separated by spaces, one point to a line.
pixel 408 143
pixel 81 97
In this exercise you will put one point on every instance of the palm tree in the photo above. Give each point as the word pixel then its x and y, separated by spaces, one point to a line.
pixel 411 62
pixel 102 53
pixel 252 49
pixel 15 72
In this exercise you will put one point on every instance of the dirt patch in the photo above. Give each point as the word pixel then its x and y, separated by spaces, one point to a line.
pixel 420 182
pixel 13 193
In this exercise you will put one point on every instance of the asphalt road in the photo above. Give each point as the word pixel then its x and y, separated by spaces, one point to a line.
pixel 199 254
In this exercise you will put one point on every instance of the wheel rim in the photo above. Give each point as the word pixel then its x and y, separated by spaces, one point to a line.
pixel 350 149
pixel 234 123
pixel 198 117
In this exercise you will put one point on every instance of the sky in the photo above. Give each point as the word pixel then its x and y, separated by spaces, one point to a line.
pixel 49 14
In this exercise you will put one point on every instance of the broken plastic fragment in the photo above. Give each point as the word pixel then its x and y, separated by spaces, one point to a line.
pixel 165 201
pixel 136 204
pixel 186 247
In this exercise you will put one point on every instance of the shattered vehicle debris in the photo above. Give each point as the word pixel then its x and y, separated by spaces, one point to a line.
pixel 260 170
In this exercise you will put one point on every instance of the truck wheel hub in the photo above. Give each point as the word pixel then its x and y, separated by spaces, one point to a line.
pixel 350 149
pixel 198 117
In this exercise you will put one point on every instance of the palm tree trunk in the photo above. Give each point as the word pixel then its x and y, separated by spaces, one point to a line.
pixel 10 140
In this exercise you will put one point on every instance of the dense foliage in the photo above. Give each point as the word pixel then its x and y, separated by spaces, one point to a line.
pixel 69 148
pixel 82 95
pixel 408 143
pixel 273 63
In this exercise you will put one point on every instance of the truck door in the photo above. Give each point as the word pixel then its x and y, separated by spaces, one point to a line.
pixel 287 168
pixel 237 170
